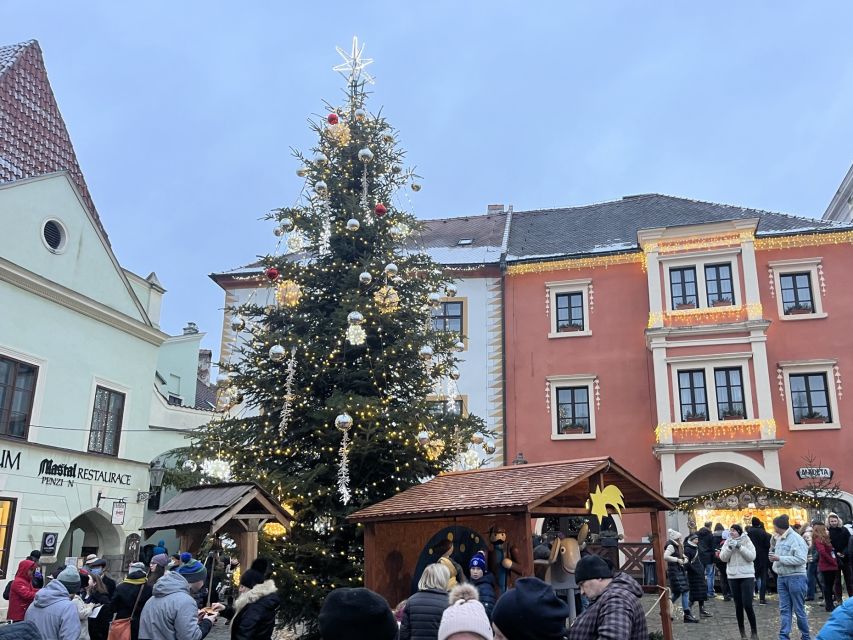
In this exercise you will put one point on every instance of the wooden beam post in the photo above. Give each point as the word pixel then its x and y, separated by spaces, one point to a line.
pixel 249 543
pixel 660 572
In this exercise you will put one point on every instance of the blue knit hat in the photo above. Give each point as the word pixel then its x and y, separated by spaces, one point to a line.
pixel 193 571
pixel 479 561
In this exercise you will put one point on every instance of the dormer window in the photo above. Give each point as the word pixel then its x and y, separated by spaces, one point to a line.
pixel 465 241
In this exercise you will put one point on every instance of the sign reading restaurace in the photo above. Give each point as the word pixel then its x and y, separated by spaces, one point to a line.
pixel 64 474
pixel 814 473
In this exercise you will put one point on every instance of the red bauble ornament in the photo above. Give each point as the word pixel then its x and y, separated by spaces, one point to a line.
pixel 332 118
pixel 380 210
pixel 271 273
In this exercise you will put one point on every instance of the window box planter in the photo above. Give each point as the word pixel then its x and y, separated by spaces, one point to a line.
pixel 685 306
pixel 813 420
pixel 799 310
pixel 573 430
pixel 734 417
pixel 569 328
pixel 697 418
pixel 724 302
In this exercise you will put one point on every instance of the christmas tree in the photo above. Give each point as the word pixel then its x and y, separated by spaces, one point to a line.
pixel 343 372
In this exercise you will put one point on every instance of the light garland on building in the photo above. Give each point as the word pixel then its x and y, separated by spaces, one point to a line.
pixel 665 247
pixel 803 240
pixel 761 497
pixel 609 260
pixel 703 315
pixel 664 432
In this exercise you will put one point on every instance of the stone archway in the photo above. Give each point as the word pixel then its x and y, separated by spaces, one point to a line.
pixel 92 532
pixel 719 470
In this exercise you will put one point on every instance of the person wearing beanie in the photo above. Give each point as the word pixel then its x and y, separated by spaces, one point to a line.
pixel 840 538
pixel 696 575
pixel 673 555
pixel 483 581
pixel 422 615
pixel 530 611
pixel 761 541
pixel 739 556
pixel 253 613
pixel 789 556
pixel 157 568
pixel 53 611
pixel 21 591
pixel 160 549
pixel 356 614
pixel 171 613
pixel 465 618
pixel 615 609
pixel 130 597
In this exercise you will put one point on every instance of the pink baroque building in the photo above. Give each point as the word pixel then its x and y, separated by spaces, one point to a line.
pixel 700 345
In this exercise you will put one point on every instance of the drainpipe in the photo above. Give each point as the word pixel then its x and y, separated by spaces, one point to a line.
pixel 504 246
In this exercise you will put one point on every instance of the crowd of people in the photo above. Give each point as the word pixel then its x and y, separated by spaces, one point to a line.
pixel 474 608
pixel 170 598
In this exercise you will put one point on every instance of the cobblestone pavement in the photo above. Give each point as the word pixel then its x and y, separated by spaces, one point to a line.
pixel 723 625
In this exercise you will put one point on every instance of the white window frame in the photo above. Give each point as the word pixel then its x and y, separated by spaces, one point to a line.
pixel 577 380
pixel 125 416
pixel 699 261
pixel 708 364
pixel 799 265
pixel 568 286
pixel 811 366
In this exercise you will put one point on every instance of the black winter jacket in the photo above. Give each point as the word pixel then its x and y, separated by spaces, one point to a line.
pixel 761 541
pixel 122 603
pixel 253 613
pixel 422 615
pixel 840 537
pixel 487 591
pixel 707 547
pixel 695 574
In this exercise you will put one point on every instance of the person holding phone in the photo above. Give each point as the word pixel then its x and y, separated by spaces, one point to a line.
pixel 738 553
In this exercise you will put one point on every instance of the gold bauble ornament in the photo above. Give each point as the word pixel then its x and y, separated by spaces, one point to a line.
pixel 339 133
pixel 387 299
pixel 288 293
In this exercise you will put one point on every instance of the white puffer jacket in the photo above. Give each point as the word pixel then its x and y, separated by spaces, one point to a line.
pixel 738 554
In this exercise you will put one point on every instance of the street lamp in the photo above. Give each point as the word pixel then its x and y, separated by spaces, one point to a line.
pixel 158 471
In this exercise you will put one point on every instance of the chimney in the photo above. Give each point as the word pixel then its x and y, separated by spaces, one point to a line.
pixel 205 356
pixel 191 328
pixel 494 209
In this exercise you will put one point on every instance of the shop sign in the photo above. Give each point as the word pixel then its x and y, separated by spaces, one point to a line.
pixel 48 543
pixel 814 473
pixel 8 462
pixel 118 512
pixel 59 475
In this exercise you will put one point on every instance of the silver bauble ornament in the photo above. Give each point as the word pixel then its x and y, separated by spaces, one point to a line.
pixel 365 155
pixel 396 168
pixel 451 290
pixel 391 269
pixel 425 352
pixel 360 115
pixel 286 225
pixel 423 437
pixel 343 422
pixel 320 158
pixel 453 373
pixel 388 137
pixel 321 188
pixel 277 353
pixel 303 171
pixel 353 224
pixel 189 465
pixel 365 278
pixel 489 447
pixel 416 186
pixel 434 299
pixel 396 232
pixel 223 380
pixel 278 232
pixel 237 323
pixel 477 438
pixel 459 346
pixel 355 317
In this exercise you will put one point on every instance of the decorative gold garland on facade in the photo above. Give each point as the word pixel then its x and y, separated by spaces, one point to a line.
pixel 593 262
pixel 665 247
pixel 664 431
pixel 752 311
pixel 803 240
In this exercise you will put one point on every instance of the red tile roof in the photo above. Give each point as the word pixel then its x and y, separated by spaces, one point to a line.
pixel 504 490
pixel 33 137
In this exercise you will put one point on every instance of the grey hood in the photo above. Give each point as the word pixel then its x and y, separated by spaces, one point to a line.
pixel 171 582
pixel 54 592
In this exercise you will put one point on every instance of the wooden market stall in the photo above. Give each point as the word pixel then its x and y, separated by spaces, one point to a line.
pixel 237 509
pixel 399 531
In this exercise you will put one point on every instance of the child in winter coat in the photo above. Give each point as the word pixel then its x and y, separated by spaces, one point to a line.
pixel 484 581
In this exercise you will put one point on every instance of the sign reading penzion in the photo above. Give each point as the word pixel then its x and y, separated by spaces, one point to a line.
pixel 58 474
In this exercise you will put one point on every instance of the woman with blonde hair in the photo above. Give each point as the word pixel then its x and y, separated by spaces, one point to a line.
pixel 827 563
pixel 422 615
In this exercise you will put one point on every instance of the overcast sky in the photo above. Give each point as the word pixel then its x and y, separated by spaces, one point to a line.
pixel 183 113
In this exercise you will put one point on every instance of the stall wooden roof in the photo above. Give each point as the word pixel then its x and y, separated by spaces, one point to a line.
pixel 214 505
pixel 541 489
